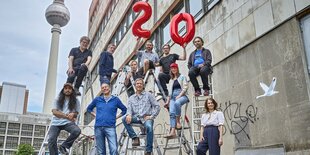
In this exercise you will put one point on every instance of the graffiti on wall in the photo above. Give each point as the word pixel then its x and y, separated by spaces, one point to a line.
pixel 238 116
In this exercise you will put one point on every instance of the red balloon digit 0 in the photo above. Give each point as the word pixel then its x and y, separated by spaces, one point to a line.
pixel 190 28
pixel 136 27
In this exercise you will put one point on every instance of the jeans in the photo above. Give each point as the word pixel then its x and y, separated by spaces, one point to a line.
pixel 175 106
pixel 203 72
pixel 80 73
pixel 54 131
pixel 148 125
pixel 101 133
pixel 163 80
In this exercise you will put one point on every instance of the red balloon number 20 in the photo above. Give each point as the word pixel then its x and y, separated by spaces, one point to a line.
pixel 188 18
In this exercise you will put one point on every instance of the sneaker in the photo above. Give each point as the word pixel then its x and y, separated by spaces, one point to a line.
pixel 197 93
pixel 147 153
pixel 136 141
pixel 206 93
pixel 63 150
pixel 77 92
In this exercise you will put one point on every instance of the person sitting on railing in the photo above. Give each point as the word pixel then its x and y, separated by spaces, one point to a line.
pixel 79 59
pixel 178 86
pixel 165 61
pixel 199 63
pixel 106 108
pixel 106 64
pixel 142 109
pixel 66 109
pixel 148 59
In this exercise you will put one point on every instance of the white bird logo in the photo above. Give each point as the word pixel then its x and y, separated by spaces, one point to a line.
pixel 269 91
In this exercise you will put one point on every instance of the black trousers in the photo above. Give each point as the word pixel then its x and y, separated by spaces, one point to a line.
pixel 203 72
pixel 163 80
pixel 211 137
pixel 79 73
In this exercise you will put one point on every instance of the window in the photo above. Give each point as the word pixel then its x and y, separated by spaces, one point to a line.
pixel 166 32
pixel 195 8
pixel 13 129
pixel 2 128
pixel 305 27
pixel 11 142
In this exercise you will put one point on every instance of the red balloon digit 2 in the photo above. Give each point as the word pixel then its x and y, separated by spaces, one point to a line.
pixel 136 27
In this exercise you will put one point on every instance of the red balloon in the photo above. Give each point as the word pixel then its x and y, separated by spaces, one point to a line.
pixel 136 27
pixel 190 28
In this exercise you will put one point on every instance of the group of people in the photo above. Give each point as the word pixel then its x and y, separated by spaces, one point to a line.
pixel 142 107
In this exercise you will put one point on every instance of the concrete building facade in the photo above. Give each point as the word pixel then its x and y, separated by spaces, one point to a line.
pixel 251 41
pixel 13 98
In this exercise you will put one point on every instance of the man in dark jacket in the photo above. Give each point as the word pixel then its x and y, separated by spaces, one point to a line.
pixel 199 63
pixel 106 64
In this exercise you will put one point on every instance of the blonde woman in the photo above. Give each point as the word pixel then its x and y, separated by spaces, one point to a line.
pixel 211 129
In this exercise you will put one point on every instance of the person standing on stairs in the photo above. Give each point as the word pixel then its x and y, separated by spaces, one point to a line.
pixel 199 63
pixel 211 132
pixel 79 60
pixel 106 109
pixel 178 86
pixel 65 111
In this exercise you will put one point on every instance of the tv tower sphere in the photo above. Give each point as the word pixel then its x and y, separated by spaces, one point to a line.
pixel 57 13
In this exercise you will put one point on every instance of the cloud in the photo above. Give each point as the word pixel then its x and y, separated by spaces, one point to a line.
pixel 25 44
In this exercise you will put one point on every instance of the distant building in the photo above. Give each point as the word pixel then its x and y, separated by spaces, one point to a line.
pixel 18 129
pixel 17 126
pixel 13 98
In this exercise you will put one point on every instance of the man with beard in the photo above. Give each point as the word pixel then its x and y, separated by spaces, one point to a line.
pixel 199 63
pixel 134 74
pixel 65 111
pixel 148 58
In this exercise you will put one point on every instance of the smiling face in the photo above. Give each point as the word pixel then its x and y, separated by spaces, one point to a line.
pixel 83 44
pixel 174 70
pixel 105 88
pixel 210 105
pixel 139 85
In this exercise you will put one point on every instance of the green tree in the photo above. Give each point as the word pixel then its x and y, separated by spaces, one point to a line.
pixel 25 149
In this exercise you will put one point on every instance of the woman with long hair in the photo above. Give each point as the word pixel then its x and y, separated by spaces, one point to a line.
pixel 177 86
pixel 211 129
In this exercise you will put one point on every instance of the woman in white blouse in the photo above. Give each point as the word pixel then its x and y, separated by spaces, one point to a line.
pixel 177 97
pixel 211 129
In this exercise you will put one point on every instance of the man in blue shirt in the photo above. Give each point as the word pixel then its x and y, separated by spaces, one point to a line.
pixel 106 64
pixel 106 108
pixel 199 63
pixel 79 59
pixel 65 111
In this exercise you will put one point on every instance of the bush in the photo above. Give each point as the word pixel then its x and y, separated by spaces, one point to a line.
pixel 25 149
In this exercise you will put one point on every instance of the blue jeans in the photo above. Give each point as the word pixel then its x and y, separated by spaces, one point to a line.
pixel 175 106
pixel 101 133
pixel 54 131
pixel 148 125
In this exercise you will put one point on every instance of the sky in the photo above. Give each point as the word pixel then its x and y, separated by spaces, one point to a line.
pixel 25 40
